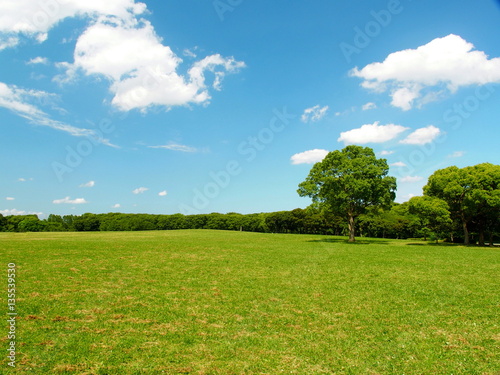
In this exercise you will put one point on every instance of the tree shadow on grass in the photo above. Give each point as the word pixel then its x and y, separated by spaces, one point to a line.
pixel 361 241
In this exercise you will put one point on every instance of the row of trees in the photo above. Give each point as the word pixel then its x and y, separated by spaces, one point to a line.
pixel 400 221
pixel 352 194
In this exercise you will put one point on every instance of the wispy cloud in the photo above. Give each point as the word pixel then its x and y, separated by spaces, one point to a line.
pixel 68 200
pixel 176 147
pixel 457 154
pixel 163 193
pixel 18 101
pixel 398 164
pixel 10 198
pixel 410 179
pixel 88 184
pixel 140 190
pixel 314 114
pixel 16 212
pixel 368 106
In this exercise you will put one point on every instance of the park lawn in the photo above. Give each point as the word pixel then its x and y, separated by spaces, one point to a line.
pixel 217 302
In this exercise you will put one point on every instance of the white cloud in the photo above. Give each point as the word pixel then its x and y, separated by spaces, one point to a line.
pixel 68 200
pixel 39 60
pixel 140 190
pixel 16 212
pixel 371 133
pixel 176 147
pixel 18 101
pixel 118 205
pixel 368 106
pixel 314 114
pixel 8 42
pixel 422 136
pixel 450 61
pixel 309 157
pixel 162 193
pixel 10 198
pixel 457 154
pixel 385 152
pixel 34 18
pixel 398 164
pixel 142 71
pixel 410 179
pixel 88 184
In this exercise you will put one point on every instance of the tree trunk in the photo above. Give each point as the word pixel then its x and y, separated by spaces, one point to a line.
pixel 351 228
pixel 481 236
pixel 491 238
pixel 466 231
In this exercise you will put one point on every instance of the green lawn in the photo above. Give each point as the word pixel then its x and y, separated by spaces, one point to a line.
pixel 215 302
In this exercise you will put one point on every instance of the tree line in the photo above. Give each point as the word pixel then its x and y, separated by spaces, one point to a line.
pixel 352 195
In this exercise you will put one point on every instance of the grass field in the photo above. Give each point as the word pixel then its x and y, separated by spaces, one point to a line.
pixel 214 302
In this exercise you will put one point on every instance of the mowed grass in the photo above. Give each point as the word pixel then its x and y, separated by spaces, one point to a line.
pixel 215 302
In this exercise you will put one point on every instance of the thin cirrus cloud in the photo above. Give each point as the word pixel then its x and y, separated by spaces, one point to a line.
pixel 422 136
pixel 314 114
pixel 176 147
pixel 419 76
pixel 371 133
pixel 68 200
pixel 19 101
pixel 309 157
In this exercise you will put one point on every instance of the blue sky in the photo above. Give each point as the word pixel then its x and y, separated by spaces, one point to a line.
pixel 224 106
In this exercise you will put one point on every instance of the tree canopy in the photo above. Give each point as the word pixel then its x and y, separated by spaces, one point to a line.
pixel 349 181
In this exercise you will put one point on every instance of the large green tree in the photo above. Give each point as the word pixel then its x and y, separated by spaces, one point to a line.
pixel 473 195
pixel 348 182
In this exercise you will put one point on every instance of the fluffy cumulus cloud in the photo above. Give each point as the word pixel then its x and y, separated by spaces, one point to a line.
pixel 371 133
pixel 418 76
pixel 163 193
pixel 309 157
pixel 313 114
pixel 34 18
pixel 120 45
pixel 422 136
pixel 141 70
pixel 68 200
pixel 21 102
